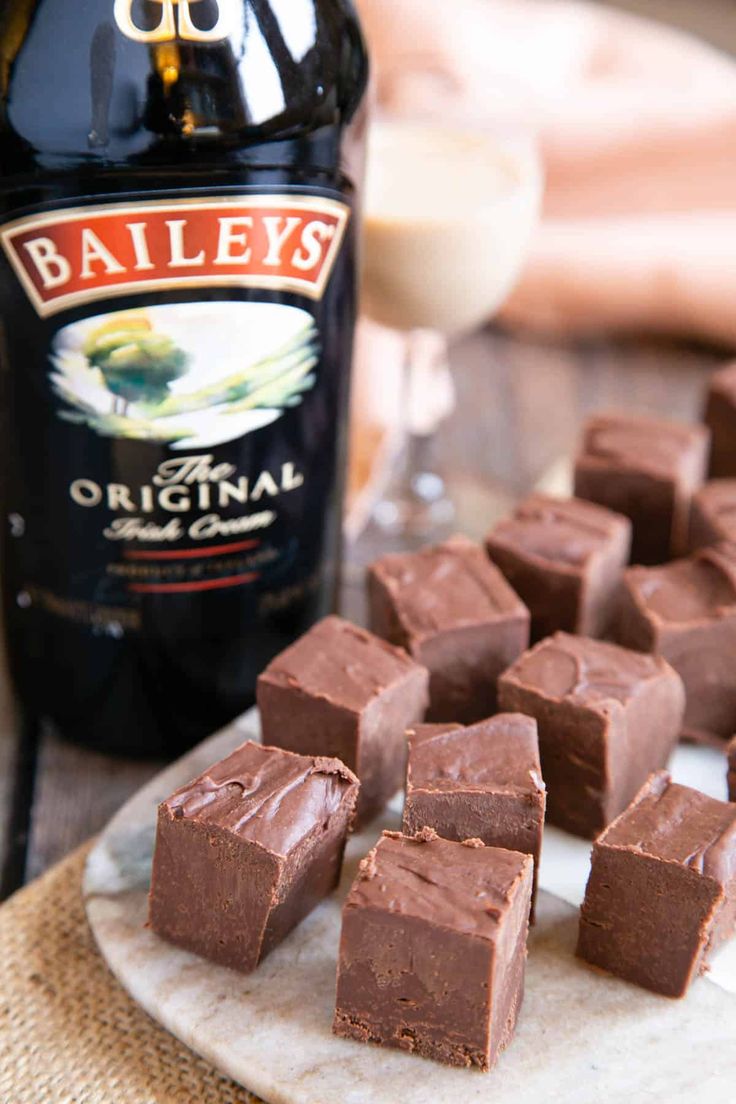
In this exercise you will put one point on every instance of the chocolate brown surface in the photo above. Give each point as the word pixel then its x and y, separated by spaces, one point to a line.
pixel 686 612
pixel 456 614
pixel 731 776
pixel 340 691
pixel 661 896
pixel 720 417
pixel 607 717
pixel 482 782
pixel 245 852
pixel 564 558
pixel 433 948
pixel 713 514
pixel 647 469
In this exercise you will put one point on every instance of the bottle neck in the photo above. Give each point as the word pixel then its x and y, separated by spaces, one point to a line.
pixel 261 96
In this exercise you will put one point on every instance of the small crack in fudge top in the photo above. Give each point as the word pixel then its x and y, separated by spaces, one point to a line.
pixel 717 502
pixel 465 887
pixel 643 444
pixel 588 672
pixel 266 795
pixel 500 755
pixel 678 824
pixel 446 586
pixel 559 531
pixel 339 662
pixel 700 588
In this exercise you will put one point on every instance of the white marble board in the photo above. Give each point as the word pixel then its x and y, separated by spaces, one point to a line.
pixel 583 1038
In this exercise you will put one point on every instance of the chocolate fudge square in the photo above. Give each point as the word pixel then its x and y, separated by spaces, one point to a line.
pixel 245 852
pixel 564 558
pixel 433 948
pixel 483 782
pixel 685 611
pixel 713 514
pixel 720 417
pixel 647 469
pixel 607 717
pixel 454 612
pixel 661 896
pixel 731 752
pixel 340 691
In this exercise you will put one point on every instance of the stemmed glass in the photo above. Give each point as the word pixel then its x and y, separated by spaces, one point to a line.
pixel 450 206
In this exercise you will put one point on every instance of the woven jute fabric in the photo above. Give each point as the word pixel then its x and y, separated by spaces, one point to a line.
pixel 69 1034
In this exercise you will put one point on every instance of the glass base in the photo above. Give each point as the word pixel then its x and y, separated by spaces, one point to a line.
pixel 416 508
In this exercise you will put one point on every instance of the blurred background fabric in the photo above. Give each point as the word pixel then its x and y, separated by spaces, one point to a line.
pixel 637 125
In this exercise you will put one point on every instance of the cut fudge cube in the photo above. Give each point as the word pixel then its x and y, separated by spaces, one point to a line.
pixel 647 469
pixel 713 514
pixel 607 717
pixel 340 691
pixel 433 948
pixel 686 612
pixel 661 896
pixel 247 850
pixel 564 558
pixel 482 782
pixel 720 417
pixel 455 613
pixel 731 753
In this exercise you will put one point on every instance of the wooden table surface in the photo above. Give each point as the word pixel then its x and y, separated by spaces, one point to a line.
pixel 519 409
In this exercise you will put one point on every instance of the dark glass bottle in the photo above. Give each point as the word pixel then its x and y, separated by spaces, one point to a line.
pixel 178 223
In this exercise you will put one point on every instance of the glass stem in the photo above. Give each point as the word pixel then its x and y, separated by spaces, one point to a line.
pixel 416 434
pixel 416 502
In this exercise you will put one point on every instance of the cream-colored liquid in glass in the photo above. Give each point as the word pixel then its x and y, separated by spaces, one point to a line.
pixel 449 216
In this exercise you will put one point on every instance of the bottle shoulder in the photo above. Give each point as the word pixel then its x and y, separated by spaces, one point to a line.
pixel 117 83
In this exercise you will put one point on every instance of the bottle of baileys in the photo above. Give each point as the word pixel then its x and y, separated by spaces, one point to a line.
pixel 178 225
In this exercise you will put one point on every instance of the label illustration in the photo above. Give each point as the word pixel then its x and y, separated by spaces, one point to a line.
pixel 191 375
pixel 280 243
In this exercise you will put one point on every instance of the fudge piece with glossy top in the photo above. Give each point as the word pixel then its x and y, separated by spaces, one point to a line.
pixel 647 469
pixel 564 558
pixel 246 851
pixel 482 782
pixel 433 948
pixel 455 613
pixel 685 611
pixel 607 717
pixel 340 691
pixel 661 896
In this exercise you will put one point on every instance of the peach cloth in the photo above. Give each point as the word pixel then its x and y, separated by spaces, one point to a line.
pixel 638 132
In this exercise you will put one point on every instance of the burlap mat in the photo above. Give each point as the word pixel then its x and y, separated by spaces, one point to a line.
pixel 69 1034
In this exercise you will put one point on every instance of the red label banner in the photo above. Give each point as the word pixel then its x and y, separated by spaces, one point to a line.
pixel 285 243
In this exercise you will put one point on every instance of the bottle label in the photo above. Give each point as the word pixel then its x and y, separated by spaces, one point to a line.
pixel 177 375
pixel 72 257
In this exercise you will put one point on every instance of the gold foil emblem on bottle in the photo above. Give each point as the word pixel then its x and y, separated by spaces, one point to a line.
pixel 177 22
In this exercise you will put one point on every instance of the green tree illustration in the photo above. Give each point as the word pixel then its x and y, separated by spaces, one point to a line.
pixel 137 364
